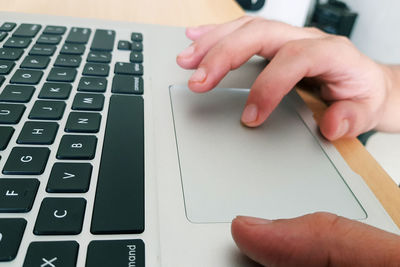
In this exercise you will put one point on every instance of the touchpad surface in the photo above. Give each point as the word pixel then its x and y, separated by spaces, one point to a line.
pixel 277 170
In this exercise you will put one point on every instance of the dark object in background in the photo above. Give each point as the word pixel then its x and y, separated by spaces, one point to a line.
pixel 252 5
pixel 333 17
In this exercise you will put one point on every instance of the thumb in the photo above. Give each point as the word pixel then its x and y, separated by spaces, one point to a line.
pixel 347 118
pixel 319 239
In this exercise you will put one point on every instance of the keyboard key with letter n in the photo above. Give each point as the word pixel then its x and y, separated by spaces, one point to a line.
pixel 119 201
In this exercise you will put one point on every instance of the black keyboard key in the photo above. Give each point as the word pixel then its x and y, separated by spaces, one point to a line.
pixel 49 39
pixel 17 195
pixel 5 136
pixel 119 201
pixel 62 75
pixel 11 53
pixel 47 110
pixel 11 232
pixel 52 254
pixel 3 35
pixel 99 57
pixel 55 30
pixel 6 66
pixel 136 57
pixel 77 147
pixel 42 50
pixel 72 49
pixel 78 35
pixel 17 42
pixel 136 37
pixel 11 113
pixel 26 160
pixel 17 93
pixel 96 69
pixel 127 84
pixel 27 30
pixel 72 61
pixel 137 47
pixel 103 40
pixel 69 178
pixel 38 133
pixel 55 90
pixel 130 252
pixel 92 102
pixel 92 84
pixel 2 79
pixel 83 122
pixel 60 216
pixel 24 76
pixel 124 45
pixel 7 26
pixel 35 62
pixel 128 68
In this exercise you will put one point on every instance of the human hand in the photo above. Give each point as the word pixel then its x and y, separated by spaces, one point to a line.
pixel 319 239
pixel 357 87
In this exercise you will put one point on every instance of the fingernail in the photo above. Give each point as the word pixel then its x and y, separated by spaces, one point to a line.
pixel 188 52
pixel 199 76
pixel 343 128
pixel 250 113
pixel 253 220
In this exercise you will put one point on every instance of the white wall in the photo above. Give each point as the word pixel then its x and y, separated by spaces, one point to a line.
pixel 293 12
pixel 376 32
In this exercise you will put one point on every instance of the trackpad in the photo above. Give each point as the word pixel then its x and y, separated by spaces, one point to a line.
pixel 278 170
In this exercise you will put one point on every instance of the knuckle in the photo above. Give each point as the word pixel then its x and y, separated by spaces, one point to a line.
pixel 339 39
pixel 314 30
pixel 324 222
pixel 225 53
pixel 293 48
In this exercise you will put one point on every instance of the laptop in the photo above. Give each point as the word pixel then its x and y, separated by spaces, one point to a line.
pixel 107 159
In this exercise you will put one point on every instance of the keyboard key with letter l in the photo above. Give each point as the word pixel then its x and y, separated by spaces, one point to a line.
pixel 119 201
pixel 116 253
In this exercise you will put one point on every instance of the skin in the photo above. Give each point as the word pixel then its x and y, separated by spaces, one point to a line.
pixel 362 95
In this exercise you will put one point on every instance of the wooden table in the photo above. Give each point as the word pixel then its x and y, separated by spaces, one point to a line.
pixel 196 12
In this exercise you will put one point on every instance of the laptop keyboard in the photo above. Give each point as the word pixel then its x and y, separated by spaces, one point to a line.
pixel 71 118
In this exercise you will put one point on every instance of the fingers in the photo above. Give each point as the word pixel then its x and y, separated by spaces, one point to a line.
pixel 295 53
pixel 238 47
pixel 191 56
pixel 293 62
pixel 346 118
pixel 319 239
pixel 194 33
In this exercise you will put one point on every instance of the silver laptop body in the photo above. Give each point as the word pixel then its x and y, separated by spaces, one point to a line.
pixel 202 167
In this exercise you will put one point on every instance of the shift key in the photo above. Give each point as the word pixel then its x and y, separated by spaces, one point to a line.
pixel 103 40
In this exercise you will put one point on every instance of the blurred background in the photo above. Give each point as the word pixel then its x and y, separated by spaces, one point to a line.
pixel 371 26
